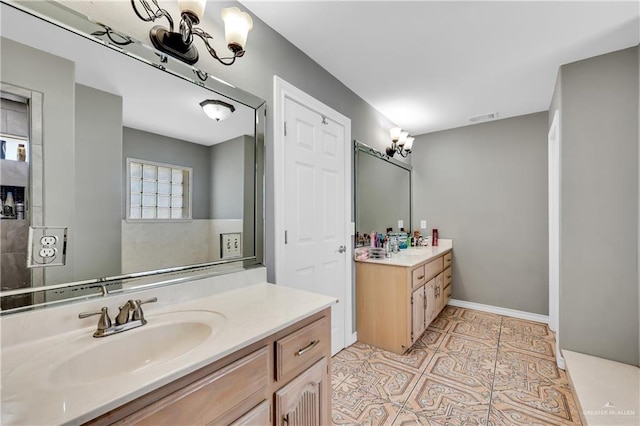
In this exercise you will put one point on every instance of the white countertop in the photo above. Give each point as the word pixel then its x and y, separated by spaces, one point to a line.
pixel 31 396
pixel 414 255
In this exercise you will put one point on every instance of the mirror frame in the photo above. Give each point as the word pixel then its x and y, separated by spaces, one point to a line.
pixel 83 26
pixel 360 148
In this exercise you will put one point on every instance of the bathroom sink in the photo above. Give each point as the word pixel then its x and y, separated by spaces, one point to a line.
pixel 166 337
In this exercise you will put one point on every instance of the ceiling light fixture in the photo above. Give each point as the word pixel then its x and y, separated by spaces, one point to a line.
pixel 217 110
pixel 180 44
pixel 401 142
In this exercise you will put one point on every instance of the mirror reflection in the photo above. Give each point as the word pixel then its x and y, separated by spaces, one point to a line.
pixel 142 178
pixel 382 193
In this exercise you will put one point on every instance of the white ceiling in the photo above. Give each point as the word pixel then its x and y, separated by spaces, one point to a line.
pixel 430 66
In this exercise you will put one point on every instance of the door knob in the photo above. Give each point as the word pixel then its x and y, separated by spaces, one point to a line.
pixel 342 249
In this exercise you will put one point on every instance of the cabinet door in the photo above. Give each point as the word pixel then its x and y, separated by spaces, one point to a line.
pixel 439 297
pixel 417 314
pixel 430 301
pixel 305 400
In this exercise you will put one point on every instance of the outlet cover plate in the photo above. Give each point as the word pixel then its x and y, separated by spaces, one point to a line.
pixel 230 245
pixel 40 237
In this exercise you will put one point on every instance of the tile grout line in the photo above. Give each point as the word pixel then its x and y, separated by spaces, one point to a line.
pixel 422 374
pixel 495 366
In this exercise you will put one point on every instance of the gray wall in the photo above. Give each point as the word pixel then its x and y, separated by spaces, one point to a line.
pixel 599 213
pixel 25 69
pixel 485 186
pixel 227 179
pixel 98 183
pixel 162 149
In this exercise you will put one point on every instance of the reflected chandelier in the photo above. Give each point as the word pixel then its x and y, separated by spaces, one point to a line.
pixel 401 142
pixel 180 44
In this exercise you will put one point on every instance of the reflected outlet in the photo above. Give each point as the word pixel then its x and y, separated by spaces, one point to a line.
pixel 230 245
pixel 47 246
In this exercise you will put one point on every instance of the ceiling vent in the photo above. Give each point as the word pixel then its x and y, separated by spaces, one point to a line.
pixel 483 117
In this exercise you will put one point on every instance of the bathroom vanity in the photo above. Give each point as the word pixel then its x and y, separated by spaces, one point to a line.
pixel 398 297
pixel 252 353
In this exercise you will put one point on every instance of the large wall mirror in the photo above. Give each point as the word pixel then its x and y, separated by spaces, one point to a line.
pixel 107 138
pixel 382 192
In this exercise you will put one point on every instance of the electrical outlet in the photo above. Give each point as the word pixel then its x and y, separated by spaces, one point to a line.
pixel 47 246
pixel 423 224
pixel 48 240
pixel 400 224
pixel 230 245
pixel 48 252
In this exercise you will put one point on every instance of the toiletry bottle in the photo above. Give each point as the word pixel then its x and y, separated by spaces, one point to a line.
pixel 9 207
pixel 20 210
pixel 434 237
pixel 22 152
pixel 373 239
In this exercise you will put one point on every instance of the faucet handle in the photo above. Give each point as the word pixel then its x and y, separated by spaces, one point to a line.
pixel 137 313
pixel 103 323
pixel 123 315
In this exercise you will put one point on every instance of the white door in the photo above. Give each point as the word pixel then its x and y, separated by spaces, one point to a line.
pixel 315 204
pixel 312 203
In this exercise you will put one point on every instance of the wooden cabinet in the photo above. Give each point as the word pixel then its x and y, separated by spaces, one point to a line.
pixel 290 368
pixel 418 313
pixel 299 403
pixel 395 304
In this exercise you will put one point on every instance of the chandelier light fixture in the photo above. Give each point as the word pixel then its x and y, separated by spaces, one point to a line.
pixel 217 110
pixel 180 44
pixel 401 142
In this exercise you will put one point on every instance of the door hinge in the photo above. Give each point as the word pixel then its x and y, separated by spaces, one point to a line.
pixel 285 128
pixel 286 237
pixel 412 299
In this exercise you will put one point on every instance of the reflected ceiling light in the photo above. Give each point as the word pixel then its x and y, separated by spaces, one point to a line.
pixel 180 44
pixel 217 110
pixel 401 142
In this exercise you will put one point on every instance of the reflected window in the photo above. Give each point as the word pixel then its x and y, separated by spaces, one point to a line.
pixel 158 191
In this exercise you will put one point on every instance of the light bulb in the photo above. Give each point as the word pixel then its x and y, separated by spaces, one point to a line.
pixel 194 7
pixel 237 25
pixel 403 138
pixel 217 110
pixel 409 143
pixel 395 133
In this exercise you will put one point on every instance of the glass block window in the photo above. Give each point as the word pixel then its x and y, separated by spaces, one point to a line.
pixel 158 191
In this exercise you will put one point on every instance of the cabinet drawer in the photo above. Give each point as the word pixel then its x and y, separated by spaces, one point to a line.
pixel 433 268
pixel 447 277
pixel 207 399
pixel 260 415
pixel 446 293
pixel 417 277
pixel 447 260
pixel 302 348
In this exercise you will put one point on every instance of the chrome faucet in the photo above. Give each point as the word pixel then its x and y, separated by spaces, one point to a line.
pixel 130 316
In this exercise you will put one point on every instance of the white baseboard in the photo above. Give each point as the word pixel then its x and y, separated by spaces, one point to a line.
pixel 560 362
pixel 500 311
pixel 354 338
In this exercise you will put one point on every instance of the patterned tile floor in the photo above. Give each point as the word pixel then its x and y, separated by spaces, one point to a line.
pixel 468 368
